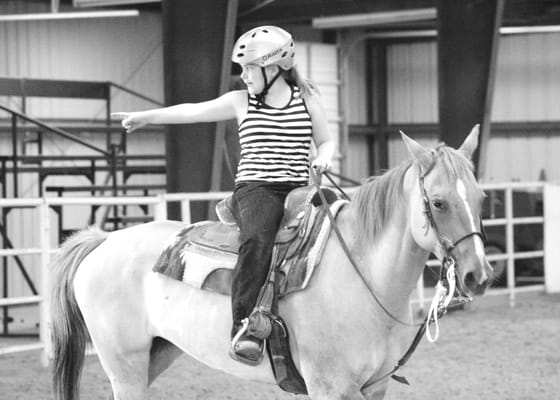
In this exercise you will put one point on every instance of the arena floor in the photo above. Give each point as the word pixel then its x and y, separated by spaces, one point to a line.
pixel 488 351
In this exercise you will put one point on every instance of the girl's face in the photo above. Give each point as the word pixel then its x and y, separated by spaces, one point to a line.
pixel 253 79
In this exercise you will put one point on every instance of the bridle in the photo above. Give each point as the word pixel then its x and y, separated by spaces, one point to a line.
pixel 445 289
pixel 447 244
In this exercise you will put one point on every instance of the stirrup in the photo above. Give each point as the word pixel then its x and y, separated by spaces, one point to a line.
pixel 233 351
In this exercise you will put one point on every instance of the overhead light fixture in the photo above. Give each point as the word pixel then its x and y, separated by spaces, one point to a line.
pixel 70 15
pixel 98 3
pixel 432 33
pixel 376 18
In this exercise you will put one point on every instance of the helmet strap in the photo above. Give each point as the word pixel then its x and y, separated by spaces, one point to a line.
pixel 267 85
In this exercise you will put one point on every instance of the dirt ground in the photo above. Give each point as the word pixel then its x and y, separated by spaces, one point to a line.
pixel 488 351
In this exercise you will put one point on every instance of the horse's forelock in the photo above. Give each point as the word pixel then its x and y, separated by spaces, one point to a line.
pixel 457 166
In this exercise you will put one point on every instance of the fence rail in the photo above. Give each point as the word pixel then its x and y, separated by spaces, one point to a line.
pixel 159 208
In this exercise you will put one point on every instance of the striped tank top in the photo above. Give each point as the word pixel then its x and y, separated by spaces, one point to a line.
pixel 275 142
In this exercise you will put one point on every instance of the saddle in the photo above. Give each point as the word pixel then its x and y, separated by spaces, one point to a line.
pixel 204 254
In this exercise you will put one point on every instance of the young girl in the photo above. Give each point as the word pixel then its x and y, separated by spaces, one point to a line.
pixel 278 116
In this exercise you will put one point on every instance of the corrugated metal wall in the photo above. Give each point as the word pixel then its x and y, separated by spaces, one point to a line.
pixel 354 64
pixel 127 51
pixel 527 83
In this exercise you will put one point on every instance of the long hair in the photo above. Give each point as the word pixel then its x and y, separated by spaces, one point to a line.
pixel 306 86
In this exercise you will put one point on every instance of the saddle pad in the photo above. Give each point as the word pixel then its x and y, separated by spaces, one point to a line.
pixel 205 246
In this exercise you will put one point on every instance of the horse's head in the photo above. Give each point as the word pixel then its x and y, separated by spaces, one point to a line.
pixel 445 209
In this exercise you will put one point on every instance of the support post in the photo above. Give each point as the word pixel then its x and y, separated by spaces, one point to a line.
pixel 468 33
pixel 194 35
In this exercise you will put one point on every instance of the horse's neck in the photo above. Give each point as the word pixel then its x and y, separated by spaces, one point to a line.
pixel 393 263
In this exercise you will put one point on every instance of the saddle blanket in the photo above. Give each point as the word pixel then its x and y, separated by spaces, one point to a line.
pixel 204 254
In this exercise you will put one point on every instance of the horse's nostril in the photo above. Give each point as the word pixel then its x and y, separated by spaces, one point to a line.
pixel 470 280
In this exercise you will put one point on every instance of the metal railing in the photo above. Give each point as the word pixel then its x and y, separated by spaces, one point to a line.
pixel 159 208
pixel 510 254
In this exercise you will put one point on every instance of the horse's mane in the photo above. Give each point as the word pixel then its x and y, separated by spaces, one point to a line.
pixel 379 196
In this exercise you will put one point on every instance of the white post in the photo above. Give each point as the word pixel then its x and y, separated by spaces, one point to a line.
pixel 551 236
pixel 160 209
pixel 45 324
pixel 510 245
pixel 186 211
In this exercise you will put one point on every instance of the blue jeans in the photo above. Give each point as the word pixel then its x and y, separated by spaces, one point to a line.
pixel 258 208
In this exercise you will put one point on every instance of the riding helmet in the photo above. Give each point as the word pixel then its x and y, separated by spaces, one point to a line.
pixel 263 46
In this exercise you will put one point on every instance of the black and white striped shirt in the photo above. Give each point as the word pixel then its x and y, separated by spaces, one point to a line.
pixel 275 142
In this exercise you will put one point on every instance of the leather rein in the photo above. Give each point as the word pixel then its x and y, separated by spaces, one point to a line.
pixel 447 245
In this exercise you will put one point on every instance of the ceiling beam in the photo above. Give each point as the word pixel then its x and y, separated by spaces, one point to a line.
pixel 375 19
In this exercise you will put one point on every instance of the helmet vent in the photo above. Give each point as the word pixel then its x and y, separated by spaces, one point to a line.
pixel 242 46
pixel 265 31
pixel 240 55
pixel 284 54
pixel 254 34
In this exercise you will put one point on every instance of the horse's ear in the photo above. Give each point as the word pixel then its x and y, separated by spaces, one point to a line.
pixel 417 151
pixel 471 143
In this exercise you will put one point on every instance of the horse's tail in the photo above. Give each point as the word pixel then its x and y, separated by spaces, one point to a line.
pixel 69 332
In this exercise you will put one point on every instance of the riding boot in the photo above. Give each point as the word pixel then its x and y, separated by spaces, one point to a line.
pixel 244 347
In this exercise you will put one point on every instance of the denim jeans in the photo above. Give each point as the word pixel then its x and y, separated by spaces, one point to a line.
pixel 258 208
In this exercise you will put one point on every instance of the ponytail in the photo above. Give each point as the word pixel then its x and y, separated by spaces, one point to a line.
pixel 306 87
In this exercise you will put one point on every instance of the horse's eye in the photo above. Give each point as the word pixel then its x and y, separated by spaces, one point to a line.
pixel 438 204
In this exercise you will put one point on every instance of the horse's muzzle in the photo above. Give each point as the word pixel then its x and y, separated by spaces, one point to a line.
pixel 478 280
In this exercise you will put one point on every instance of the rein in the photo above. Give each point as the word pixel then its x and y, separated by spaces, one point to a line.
pixel 443 295
pixel 349 255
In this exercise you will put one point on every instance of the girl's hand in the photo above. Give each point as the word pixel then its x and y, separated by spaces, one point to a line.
pixel 131 121
pixel 321 164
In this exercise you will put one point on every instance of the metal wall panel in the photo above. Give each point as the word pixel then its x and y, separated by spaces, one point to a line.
pixel 412 83
pixel 127 51
pixel 355 79
pixel 319 63
pixel 527 82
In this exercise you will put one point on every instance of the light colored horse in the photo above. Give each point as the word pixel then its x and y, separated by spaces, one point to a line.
pixel 342 340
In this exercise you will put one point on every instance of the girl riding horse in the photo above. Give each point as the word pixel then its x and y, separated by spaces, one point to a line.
pixel 279 114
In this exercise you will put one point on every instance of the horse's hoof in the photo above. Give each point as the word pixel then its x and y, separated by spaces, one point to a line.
pixel 248 350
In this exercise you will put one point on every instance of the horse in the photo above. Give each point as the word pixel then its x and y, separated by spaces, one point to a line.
pixel 343 341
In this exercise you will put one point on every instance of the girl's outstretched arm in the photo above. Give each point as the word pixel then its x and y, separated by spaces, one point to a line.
pixel 228 106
